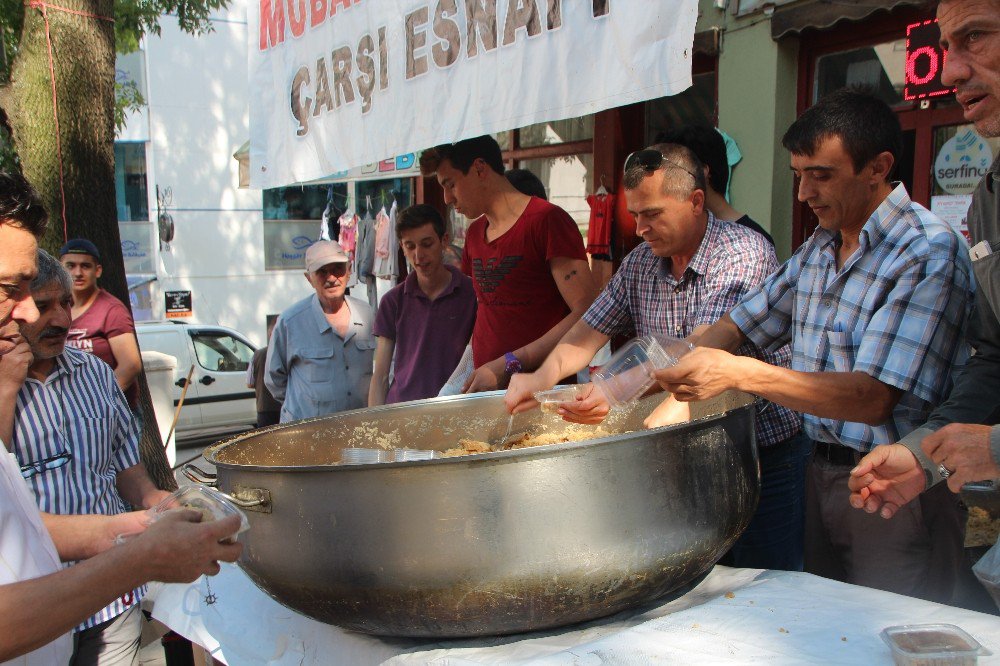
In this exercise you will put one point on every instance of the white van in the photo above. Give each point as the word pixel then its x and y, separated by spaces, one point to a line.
pixel 218 401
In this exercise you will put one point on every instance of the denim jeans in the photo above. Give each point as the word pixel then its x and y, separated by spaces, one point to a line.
pixel 775 537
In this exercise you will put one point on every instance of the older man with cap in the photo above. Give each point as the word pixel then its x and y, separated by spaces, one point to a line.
pixel 321 353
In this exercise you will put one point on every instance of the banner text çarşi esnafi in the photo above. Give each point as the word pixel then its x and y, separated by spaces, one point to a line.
pixel 439 33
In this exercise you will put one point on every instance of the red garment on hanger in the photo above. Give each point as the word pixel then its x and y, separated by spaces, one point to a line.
pixel 602 208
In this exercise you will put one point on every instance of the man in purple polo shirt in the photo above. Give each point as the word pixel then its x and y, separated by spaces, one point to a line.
pixel 427 320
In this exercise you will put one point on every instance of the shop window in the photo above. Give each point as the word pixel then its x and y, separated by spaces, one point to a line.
pixel 382 193
pixel 292 218
pixel 881 68
pixel 131 195
pixel 503 138
pixel 567 182
pixel 694 106
pixel 559 131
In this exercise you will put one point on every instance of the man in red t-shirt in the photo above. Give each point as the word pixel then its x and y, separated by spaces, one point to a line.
pixel 526 258
pixel 102 325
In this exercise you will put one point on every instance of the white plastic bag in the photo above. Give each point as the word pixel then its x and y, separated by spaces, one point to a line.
pixel 457 380
pixel 987 570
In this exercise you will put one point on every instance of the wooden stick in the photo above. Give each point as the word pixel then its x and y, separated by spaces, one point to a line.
pixel 180 403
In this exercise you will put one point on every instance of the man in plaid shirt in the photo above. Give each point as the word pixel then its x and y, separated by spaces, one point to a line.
pixel 875 306
pixel 691 270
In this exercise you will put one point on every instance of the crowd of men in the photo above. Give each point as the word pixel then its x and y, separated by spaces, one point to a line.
pixel 875 347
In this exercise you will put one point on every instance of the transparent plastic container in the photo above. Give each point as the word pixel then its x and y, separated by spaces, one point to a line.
pixel 212 505
pixel 362 456
pixel 932 645
pixel 549 400
pixel 627 376
pixel 405 455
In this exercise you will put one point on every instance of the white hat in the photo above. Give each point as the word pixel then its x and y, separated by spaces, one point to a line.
pixel 322 253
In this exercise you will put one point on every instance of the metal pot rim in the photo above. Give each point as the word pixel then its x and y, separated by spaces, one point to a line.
pixel 477 458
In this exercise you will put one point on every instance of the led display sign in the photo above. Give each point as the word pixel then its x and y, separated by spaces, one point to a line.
pixel 924 62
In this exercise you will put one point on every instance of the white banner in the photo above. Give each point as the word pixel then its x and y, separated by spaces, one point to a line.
pixel 336 84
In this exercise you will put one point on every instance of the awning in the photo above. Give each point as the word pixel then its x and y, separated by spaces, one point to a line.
pixel 820 14
pixel 242 155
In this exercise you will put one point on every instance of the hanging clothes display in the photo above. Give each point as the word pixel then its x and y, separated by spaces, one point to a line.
pixel 366 248
pixel 330 215
pixel 602 206
pixel 383 266
pixel 348 234
pixel 387 280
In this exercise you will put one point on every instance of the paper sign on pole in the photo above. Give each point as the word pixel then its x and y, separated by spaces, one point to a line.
pixel 337 84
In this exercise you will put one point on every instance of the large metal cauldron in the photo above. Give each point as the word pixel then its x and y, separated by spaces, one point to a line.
pixel 490 544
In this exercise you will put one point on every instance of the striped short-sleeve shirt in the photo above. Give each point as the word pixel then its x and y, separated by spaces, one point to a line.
pixel 78 409
pixel 896 310
pixel 644 297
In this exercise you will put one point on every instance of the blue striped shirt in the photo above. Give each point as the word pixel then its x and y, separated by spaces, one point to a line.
pixel 80 409
pixel 896 310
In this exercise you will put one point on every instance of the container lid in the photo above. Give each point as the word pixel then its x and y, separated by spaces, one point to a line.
pixel 932 641
pixel 212 505
pixel 405 455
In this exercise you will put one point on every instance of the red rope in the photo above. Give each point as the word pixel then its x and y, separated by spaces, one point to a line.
pixel 44 6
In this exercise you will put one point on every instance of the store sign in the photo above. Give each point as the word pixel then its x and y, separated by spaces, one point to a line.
pixel 962 162
pixel 286 242
pixel 178 304
pixel 338 84
pixel 394 167
pixel 924 61
pixel 137 246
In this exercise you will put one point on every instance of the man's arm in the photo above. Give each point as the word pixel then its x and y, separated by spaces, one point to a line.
pixel 275 371
pixel 379 386
pixel 723 334
pixel 577 288
pixel 847 396
pixel 13 370
pixel 136 488
pixel 129 362
pixel 174 549
pixel 78 537
pixel 573 352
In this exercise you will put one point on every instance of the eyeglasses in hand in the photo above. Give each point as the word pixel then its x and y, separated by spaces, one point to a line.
pixel 45 464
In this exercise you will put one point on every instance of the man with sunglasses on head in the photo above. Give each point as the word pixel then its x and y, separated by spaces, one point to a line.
pixel 40 602
pixel 525 256
pixel 78 446
pixel 690 271
pixel 321 353
pixel 874 305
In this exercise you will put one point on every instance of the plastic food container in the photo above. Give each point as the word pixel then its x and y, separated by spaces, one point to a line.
pixel 362 456
pixel 627 376
pixel 212 505
pixel 549 400
pixel 404 455
pixel 932 645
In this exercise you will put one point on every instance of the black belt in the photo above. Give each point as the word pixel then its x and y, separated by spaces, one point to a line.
pixel 836 454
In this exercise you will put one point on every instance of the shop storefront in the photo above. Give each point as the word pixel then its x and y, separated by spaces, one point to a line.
pixel 896 54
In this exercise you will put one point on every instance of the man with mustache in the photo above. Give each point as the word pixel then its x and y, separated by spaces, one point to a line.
pixel 78 446
pixel 874 305
pixel 321 354
pixel 40 602
pixel 960 441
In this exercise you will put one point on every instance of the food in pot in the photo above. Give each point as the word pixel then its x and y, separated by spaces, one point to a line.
pixel 523 441
pixel 982 528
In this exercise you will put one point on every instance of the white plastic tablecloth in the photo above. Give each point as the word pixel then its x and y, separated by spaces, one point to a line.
pixel 732 616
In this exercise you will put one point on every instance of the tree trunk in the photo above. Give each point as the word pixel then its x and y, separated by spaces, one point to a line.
pixel 83 60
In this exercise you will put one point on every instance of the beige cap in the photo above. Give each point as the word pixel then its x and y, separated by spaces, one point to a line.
pixel 324 252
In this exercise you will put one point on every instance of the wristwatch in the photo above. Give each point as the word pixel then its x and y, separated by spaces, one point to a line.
pixel 512 364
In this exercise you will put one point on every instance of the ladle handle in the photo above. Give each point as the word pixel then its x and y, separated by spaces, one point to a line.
pixel 198 475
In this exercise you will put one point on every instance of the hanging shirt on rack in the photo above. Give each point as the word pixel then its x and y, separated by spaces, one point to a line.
pixel 348 231
pixel 383 264
pixel 366 249
pixel 602 208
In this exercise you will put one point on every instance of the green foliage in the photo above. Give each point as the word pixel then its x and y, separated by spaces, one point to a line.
pixel 135 18
pixel 127 100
